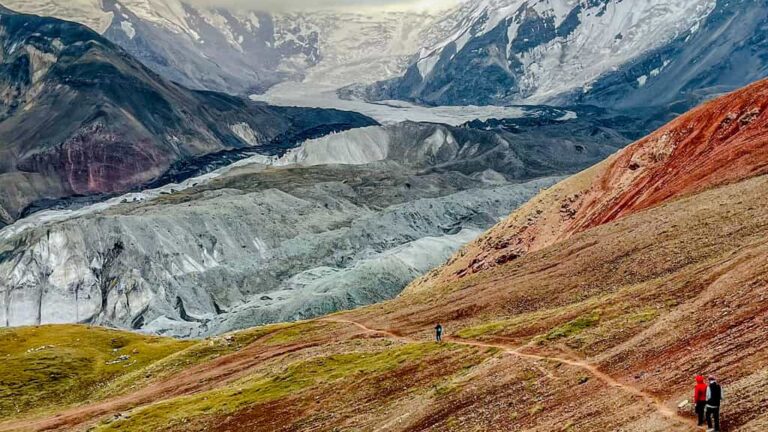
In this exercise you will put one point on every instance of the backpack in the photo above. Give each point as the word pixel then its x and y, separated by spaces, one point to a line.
pixel 715 395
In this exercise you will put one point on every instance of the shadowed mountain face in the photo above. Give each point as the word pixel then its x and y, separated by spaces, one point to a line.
pixel 79 116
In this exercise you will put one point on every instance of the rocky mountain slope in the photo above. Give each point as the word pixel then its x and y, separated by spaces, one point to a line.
pixel 79 116
pixel 245 51
pixel 342 221
pixel 654 274
pixel 610 53
pixel 717 143
pixel 723 52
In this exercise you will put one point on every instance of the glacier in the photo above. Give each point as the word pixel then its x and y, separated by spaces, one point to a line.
pixel 342 221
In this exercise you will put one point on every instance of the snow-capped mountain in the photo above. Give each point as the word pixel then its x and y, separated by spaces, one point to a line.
pixel 613 53
pixel 86 12
pixel 504 51
pixel 725 51
pixel 242 51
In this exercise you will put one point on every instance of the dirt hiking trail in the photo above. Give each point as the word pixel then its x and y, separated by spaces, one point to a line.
pixel 234 366
pixel 516 351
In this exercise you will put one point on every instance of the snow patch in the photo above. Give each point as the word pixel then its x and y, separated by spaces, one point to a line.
pixel 128 29
pixel 245 133
pixel 87 12
pixel 426 65
pixel 354 147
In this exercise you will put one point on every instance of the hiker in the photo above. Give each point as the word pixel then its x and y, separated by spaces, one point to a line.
pixel 439 332
pixel 700 398
pixel 714 397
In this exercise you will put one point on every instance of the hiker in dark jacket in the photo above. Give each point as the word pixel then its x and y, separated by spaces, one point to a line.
pixel 700 398
pixel 714 397
pixel 439 333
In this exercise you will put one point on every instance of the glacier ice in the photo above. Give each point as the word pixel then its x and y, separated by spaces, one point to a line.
pixel 341 221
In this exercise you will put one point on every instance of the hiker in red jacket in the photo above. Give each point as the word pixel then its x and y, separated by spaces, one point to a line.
pixel 700 398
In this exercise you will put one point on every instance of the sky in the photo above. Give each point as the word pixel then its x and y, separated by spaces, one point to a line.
pixel 326 4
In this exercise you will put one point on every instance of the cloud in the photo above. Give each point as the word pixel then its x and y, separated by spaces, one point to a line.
pixel 277 5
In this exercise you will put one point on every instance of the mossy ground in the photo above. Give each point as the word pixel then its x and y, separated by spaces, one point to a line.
pixel 46 369
pixel 263 388
pixel 196 353
pixel 586 326
pixel 290 333
pixel 49 367
pixel 575 327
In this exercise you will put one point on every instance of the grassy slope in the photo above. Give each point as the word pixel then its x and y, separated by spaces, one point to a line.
pixel 324 371
pixel 48 367
pixel 312 356
pixel 52 367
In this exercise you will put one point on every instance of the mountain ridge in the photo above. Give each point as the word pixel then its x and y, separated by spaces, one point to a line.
pixel 530 51
pixel 129 124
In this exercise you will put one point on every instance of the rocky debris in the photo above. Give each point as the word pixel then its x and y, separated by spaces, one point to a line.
pixel 40 348
pixel 120 359
pixel 570 205
pixel 116 417
pixel 749 117
pixel 507 258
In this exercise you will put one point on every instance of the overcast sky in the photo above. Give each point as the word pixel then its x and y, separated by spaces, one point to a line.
pixel 325 4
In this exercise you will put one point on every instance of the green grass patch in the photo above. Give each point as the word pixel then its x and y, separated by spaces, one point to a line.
pixel 536 409
pixel 482 329
pixel 265 388
pixel 575 327
pixel 199 353
pixel 533 319
pixel 643 316
pixel 291 333
pixel 50 367
pixel 446 389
